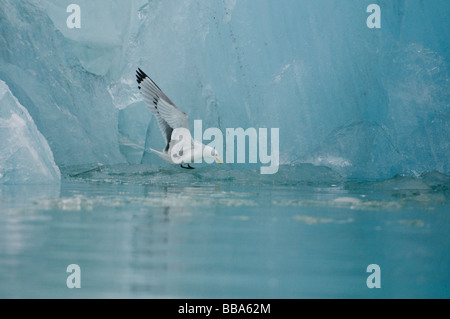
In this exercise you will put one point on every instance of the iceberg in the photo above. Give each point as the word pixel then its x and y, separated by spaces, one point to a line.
pixel 368 103
pixel 70 105
pixel 25 157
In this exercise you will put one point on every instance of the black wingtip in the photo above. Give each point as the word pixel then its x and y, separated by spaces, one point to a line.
pixel 140 76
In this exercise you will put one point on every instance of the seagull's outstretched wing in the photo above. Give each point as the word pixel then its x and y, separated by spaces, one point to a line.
pixel 168 115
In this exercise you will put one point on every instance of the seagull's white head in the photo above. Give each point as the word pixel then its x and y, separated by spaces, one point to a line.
pixel 212 153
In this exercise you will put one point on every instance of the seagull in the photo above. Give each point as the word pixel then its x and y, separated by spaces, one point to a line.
pixel 180 148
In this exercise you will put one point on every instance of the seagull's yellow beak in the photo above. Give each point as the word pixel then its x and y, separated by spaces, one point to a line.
pixel 218 160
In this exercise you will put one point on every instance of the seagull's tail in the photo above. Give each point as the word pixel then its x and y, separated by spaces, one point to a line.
pixel 164 156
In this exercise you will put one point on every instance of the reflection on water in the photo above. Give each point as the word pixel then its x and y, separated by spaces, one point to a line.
pixel 138 232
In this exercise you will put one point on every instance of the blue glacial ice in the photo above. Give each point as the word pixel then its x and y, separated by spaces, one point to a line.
pixel 367 103
pixel 70 105
pixel 25 157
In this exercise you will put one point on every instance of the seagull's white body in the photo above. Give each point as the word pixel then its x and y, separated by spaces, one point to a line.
pixel 180 148
pixel 180 152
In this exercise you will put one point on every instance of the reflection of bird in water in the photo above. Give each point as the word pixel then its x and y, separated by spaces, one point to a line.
pixel 180 148
pixel 166 214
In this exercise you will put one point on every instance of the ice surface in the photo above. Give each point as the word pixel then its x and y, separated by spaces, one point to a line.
pixel 100 43
pixel 25 156
pixel 70 106
pixel 368 103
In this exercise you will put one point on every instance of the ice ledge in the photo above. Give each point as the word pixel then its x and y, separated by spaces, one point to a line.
pixel 25 156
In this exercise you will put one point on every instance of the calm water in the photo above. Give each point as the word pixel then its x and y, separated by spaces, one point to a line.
pixel 139 232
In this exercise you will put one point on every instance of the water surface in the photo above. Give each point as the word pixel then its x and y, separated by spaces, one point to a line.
pixel 140 232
